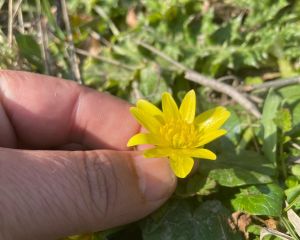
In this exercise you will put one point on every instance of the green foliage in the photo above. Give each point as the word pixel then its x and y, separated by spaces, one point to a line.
pixel 30 50
pixel 259 200
pixel 248 40
pixel 232 177
pixel 178 220
pixel 269 127
pixel 7 54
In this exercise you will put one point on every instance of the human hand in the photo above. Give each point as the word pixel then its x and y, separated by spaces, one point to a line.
pixel 46 193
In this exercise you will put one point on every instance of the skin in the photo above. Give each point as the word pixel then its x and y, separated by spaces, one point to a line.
pixel 64 165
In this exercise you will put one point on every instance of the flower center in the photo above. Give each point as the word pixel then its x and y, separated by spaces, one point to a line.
pixel 180 134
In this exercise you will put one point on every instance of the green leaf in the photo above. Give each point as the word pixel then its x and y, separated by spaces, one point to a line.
pixel 232 177
pixel 291 181
pixel 284 120
pixel 296 115
pixel 30 49
pixel 253 80
pixel 290 93
pixel 296 170
pixel 237 169
pixel 46 9
pixel 233 127
pixel 286 68
pixel 152 84
pixel 292 194
pixel 271 105
pixel 254 229
pixel 259 200
pixel 246 137
pixel 178 221
pixel 200 185
pixel 222 34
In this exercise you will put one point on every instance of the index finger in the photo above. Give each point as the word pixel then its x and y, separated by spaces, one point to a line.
pixel 44 112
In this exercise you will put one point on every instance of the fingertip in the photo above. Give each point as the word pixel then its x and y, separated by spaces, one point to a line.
pixel 156 180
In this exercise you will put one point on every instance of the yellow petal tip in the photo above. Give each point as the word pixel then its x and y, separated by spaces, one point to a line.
pixel 191 92
pixel 181 165
pixel 130 142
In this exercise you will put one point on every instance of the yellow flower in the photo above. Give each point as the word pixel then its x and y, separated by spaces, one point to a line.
pixel 177 133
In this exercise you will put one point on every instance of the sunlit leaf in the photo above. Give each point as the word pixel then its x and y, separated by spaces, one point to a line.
pixel 259 200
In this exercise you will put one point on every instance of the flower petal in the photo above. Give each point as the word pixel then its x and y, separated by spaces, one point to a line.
pixel 181 165
pixel 169 106
pixel 142 138
pixel 194 152
pixel 202 153
pixel 188 107
pixel 150 109
pixel 157 152
pixel 208 137
pixel 212 119
pixel 149 122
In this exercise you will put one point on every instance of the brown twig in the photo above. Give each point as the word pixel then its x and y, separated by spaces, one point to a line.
pixel 162 55
pixel 226 78
pixel 41 31
pixel 104 59
pixel 224 88
pixel 254 98
pixel 207 81
pixel 20 20
pixel 10 23
pixel 46 44
pixel 136 91
pixel 18 5
pixel 73 57
pixel 273 84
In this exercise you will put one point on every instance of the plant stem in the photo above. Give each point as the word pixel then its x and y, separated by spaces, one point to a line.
pixel 292 203
pixel 282 157
pixel 289 228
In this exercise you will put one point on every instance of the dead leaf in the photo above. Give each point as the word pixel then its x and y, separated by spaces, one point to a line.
pixel 267 231
pixel 241 221
pixel 294 220
pixel 271 223
pixel 131 18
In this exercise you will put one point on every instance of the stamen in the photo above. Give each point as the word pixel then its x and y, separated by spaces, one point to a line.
pixel 180 134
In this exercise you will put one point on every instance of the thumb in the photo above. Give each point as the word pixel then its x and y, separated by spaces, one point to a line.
pixel 51 194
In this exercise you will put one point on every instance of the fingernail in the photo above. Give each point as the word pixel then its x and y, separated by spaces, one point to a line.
pixel 156 179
